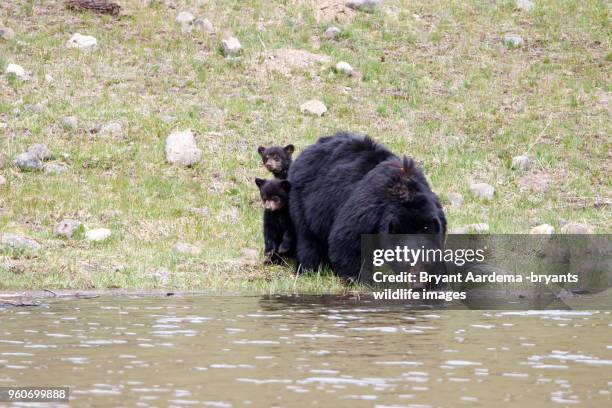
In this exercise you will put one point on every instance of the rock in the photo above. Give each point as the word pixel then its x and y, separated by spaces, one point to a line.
pixel 28 162
pixel 49 79
pixel 332 32
pixel 41 151
pixel 345 68
pixel 524 5
pixel 15 241
pixel 188 249
pixel 313 107
pixel 37 108
pixel 574 228
pixel 181 149
pixel 455 199
pixel 2 181
pixel 82 42
pixel 18 71
pixel 204 25
pixel 198 211
pixel 66 228
pixel 184 18
pixel 482 190
pixel 513 40
pixel 111 128
pixel 521 162
pixel 54 168
pixel 231 46
pixel 534 182
pixel 98 234
pixel 481 227
pixel 363 5
pixel 69 122
pixel 167 119
pixel 544 229
pixel 6 33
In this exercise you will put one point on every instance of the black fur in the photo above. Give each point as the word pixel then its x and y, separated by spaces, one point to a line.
pixel 277 226
pixel 276 159
pixel 347 185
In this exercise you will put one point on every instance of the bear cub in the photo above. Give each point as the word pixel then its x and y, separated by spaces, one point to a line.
pixel 276 159
pixel 277 226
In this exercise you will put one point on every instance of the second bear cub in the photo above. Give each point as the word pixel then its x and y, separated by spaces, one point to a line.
pixel 277 226
pixel 276 159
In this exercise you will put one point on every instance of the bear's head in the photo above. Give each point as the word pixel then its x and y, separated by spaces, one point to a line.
pixel 276 159
pixel 274 193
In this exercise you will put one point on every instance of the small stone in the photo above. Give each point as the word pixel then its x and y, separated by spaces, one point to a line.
pixel 28 162
pixel 188 249
pixel 345 68
pixel 544 229
pixel 181 149
pixel 204 25
pixel 513 40
pixel 37 108
pixel 363 5
pixel 332 32
pixel 49 79
pixel 7 33
pixel 525 5
pixel 54 168
pixel 70 122
pixel 66 228
pixel 98 234
pixel 231 46
pixel 313 107
pixel 15 241
pixel 2 181
pixel 521 162
pixel 482 190
pixel 574 228
pixel 455 199
pixel 41 151
pixel 82 42
pixel 18 71
pixel 111 128
pixel 184 18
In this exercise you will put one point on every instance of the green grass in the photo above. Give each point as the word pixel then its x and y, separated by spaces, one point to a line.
pixel 441 88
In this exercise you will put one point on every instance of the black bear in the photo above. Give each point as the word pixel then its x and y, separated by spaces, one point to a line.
pixel 277 226
pixel 276 159
pixel 347 185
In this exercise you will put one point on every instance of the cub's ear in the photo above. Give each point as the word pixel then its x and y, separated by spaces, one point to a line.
pixel 261 150
pixel 259 182
pixel 286 185
pixel 289 149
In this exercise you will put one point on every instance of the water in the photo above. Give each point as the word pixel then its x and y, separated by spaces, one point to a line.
pixel 294 352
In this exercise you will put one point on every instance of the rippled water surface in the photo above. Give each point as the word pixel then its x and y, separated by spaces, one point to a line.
pixel 290 352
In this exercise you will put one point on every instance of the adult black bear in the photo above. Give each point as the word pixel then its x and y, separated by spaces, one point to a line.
pixel 347 185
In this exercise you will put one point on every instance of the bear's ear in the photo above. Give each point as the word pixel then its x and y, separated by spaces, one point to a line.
pixel 408 167
pixel 261 150
pixel 286 185
pixel 259 182
pixel 289 149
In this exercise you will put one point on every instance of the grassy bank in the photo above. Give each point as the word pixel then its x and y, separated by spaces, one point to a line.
pixel 434 80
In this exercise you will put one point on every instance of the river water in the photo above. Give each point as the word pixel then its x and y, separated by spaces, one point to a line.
pixel 305 351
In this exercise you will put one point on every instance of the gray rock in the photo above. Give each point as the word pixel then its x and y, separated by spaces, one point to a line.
pixel 55 168
pixel 363 5
pixel 513 40
pixel 231 46
pixel 82 42
pixel 313 107
pixel 574 228
pixel 70 122
pixel 482 190
pixel 332 32
pixel 98 234
pixel 111 128
pixel 6 33
pixel 455 199
pixel 28 162
pixel 525 5
pixel 544 229
pixel 18 71
pixel 181 149
pixel 521 162
pixel 37 108
pixel 184 18
pixel 15 241
pixel 2 181
pixel 345 68
pixel 184 248
pixel 204 25
pixel 66 228
pixel 41 151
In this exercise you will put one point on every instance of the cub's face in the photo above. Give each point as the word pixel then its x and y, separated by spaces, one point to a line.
pixel 274 193
pixel 276 159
